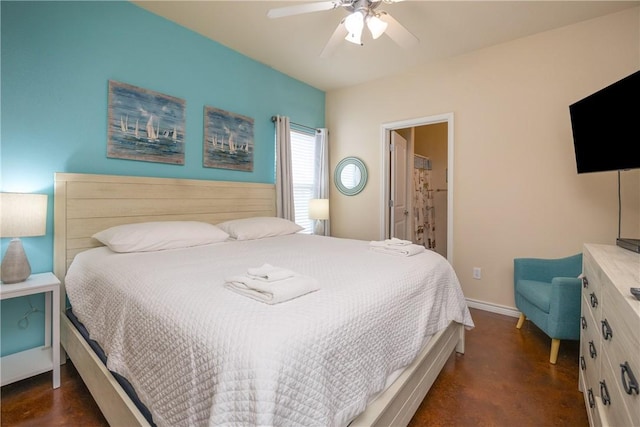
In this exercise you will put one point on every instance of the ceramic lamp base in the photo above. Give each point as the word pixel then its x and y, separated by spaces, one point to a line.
pixel 15 265
pixel 318 227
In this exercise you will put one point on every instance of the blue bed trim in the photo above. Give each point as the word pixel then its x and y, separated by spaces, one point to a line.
pixel 126 385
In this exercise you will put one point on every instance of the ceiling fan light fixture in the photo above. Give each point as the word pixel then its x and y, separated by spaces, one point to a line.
pixel 354 24
pixel 354 38
pixel 377 26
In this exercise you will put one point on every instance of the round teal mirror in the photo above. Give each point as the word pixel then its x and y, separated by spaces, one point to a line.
pixel 350 176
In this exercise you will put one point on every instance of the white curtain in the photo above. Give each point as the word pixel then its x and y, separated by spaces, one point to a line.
pixel 284 180
pixel 424 214
pixel 321 179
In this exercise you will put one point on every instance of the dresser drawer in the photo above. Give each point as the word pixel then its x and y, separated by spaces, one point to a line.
pixel 590 371
pixel 615 411
pixel 589 324
pixel 592 289
pixel 591 401
pixel 623 325
pixel 621 344
pixel 589 334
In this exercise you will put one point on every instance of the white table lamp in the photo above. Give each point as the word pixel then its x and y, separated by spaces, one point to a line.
pixel 319 211
pixel 21 215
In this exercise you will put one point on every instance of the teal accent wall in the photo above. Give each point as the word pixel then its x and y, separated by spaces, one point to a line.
pixel 57 59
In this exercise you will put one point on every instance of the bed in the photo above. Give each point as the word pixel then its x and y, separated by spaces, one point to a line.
pixel 302 358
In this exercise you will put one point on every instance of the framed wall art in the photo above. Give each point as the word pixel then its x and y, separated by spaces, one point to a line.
pixel 145 125
pixel 228 140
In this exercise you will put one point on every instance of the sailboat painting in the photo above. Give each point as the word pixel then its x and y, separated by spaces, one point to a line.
pixel 145 125
pixel 228 140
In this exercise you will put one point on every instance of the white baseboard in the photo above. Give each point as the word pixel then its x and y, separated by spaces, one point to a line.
pixel 494 308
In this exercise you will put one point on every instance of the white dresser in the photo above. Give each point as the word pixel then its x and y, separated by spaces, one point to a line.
pixel 610 336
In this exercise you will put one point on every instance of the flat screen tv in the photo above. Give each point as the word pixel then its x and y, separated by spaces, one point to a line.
pixel 606 127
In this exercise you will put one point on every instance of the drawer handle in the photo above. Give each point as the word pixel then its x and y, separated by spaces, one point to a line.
pixel 583 320
pixel 583 363
pixel 592 400
pixel 606 330
pixel 592 350
pixel 604 393
pixel 585 282
pixel 594 300
pixel 631 385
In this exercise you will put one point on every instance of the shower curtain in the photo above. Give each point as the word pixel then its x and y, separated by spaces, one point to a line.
pixel 423 210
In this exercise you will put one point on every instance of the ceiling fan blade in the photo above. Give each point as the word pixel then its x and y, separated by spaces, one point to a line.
pixel 397 32
pixel 303 8
pixel 336 38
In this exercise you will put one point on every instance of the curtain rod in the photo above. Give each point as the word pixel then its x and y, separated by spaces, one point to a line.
pixel 274 118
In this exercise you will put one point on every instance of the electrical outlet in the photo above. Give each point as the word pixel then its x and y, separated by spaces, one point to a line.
pixel 477 273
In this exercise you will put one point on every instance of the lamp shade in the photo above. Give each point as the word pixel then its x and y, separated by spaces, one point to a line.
pixel 354 24
pixel 319 209
pixel 23 214
pixel 376 25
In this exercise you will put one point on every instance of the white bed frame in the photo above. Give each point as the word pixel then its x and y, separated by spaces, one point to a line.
pixel 85 204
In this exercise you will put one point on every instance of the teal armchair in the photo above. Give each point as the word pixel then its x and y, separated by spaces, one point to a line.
pixel 548 293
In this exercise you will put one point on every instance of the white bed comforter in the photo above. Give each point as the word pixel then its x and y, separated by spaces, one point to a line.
pixel 199 354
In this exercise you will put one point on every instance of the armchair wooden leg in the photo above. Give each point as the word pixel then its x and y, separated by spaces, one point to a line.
pixel 555 346
pixel 521 321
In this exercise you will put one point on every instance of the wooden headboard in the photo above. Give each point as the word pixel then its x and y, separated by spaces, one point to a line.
pixel 85 204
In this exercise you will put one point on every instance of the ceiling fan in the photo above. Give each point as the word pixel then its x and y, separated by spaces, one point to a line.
pixel 361 12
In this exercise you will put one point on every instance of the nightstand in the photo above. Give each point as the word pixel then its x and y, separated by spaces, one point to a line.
pixel 28 363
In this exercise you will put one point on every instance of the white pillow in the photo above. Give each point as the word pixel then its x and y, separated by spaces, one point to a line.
pixel 259 227
pixel 160 235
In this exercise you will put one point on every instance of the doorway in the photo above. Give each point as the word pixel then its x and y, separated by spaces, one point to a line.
pixel 393 183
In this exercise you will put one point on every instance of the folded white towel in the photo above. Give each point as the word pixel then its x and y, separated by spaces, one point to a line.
pixel 272 292
pixel 269 273
pixel 394 241
pixel 401 250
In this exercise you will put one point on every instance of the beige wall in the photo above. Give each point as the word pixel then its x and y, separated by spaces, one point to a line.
pixel 516 190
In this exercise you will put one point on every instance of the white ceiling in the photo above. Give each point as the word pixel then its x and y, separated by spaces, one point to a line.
pixel 293 44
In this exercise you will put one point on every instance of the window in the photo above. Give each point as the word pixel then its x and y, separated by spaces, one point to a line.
pixel 303 149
